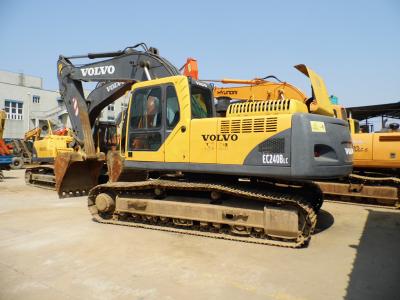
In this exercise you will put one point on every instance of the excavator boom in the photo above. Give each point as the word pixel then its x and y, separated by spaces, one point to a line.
pixel 115 76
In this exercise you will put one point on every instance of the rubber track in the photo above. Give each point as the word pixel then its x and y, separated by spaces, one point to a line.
pixel 274 197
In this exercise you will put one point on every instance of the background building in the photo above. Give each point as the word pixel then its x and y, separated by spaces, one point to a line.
pixel 28 105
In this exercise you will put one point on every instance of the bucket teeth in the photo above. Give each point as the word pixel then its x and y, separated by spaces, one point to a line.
pixel 75 175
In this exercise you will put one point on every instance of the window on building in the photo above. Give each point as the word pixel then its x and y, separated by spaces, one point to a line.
pixel 35 99
pixel 110 118
pixel 13 109
pixel 124 106
pixel 111 107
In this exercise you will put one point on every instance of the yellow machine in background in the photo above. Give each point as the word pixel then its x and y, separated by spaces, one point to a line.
pixel 378 150
pixel 45 150
pixel 262 90
pixel 56 142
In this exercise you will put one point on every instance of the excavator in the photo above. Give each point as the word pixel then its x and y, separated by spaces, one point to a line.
pixel 47 148
pixel 246 176
pixel 372 152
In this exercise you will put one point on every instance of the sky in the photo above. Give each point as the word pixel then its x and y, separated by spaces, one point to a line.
pixel 353 45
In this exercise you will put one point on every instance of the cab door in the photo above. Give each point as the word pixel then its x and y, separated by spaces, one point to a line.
pixel 177 126
pixel 146 132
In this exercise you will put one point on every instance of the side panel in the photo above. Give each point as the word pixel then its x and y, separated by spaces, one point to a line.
pixel 238 136
pixel 148 155
pixel 177 142
pixel 387 147
pixel 362 144
pixel 376 150
pixel 203 144
pixel 321 146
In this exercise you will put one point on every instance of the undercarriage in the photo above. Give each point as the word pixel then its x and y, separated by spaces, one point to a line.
pixel 365 188
pixel 254 212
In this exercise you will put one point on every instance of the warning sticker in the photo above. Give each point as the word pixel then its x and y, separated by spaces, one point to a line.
pixel 317 126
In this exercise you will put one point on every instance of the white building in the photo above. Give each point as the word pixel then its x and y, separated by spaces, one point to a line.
pixel 28 105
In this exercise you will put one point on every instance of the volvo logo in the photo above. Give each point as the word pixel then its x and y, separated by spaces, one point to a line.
pixel 220 137
pixel 98 71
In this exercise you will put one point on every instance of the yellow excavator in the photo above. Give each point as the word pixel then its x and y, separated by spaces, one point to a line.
pixel 372 152
pixel 44 151
pixel 246 176
pixel 56 142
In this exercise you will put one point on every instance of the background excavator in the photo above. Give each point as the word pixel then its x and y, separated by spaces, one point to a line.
pixel 44 151
pixel 55 142
pixel 246 176
pixel 376 157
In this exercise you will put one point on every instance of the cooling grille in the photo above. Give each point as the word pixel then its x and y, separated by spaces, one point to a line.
pixel 274 145
pixel 259 107
pixel 249 125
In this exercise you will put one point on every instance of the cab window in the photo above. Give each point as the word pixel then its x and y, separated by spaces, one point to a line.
pixel 201 102
pixel 172 108
pixel 145 120
pixel 146 108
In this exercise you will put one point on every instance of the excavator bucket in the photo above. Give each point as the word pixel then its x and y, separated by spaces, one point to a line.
pixel 76 175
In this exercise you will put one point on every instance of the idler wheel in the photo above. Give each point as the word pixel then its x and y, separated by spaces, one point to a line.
pixel 159 193
pixel 104 202
pixel 215 196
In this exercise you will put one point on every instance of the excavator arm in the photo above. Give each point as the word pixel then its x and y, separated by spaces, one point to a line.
pixel 115 76
pixel 33 134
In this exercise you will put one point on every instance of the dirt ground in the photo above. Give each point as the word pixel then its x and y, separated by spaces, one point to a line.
pixel 51 249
